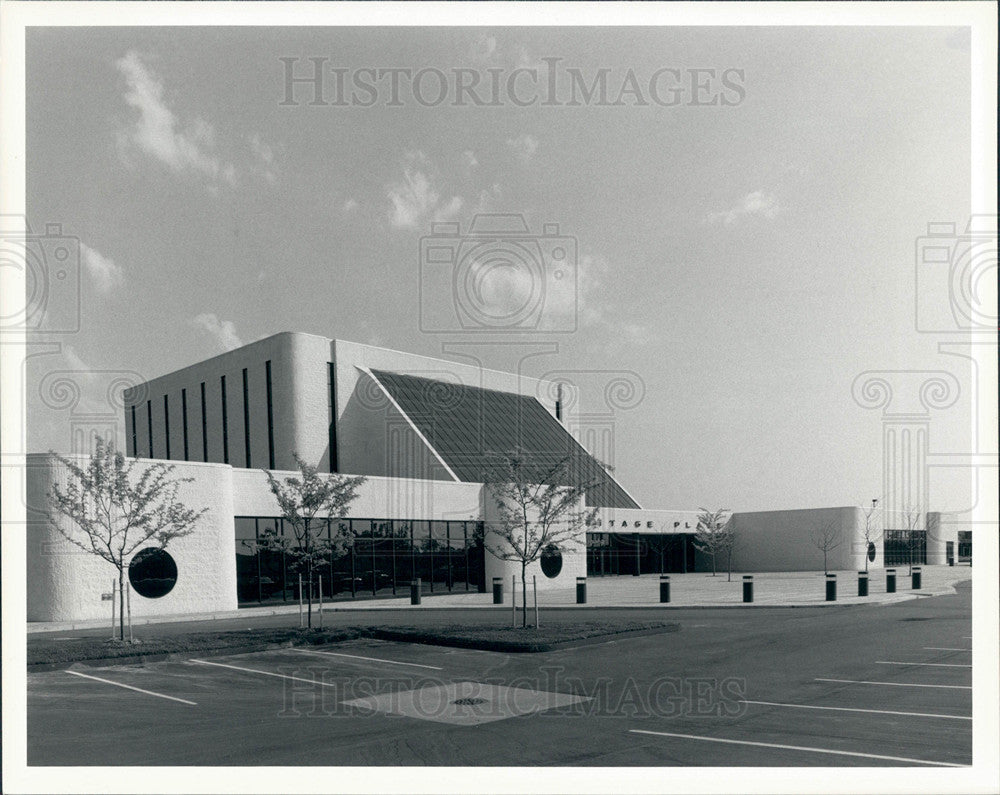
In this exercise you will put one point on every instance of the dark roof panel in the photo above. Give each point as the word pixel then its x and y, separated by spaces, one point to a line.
pixel 466 423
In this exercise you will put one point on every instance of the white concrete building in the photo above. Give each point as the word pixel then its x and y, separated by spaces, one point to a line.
pixel 421 430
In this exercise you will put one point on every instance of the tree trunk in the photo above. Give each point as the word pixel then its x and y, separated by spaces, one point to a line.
pixel 121 602
pixel 524 594
pixel 309 594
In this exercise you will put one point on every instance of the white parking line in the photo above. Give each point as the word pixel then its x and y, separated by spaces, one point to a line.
pixel 129 687
pixel 797 748
pixel 367 659
pixel 944 648
pixel 931 665
pixel 894 684
pixel 265 673
pixel 858 709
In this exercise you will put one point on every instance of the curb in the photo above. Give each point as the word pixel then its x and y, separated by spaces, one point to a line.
pixel 900 597
pixel 397 635
pixel 518 647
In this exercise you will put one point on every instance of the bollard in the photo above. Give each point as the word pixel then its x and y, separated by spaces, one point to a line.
pixel 915 578
pixel 415 591
pixel 581 590
pixel 831 587
pixel 862 583
pixel 664 587
pixel 498 590
pixel 890 581
pixel 747 587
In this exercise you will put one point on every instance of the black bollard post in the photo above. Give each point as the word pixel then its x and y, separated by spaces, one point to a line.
pixel 747 587
pixel 831 587
pixel 664 588
pixel 915 578
pixel 862 583
pixel 890 581
pixel 498 590
pixel 581 590
pixel 415 591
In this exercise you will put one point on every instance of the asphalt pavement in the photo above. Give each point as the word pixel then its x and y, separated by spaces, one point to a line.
pixel 874 685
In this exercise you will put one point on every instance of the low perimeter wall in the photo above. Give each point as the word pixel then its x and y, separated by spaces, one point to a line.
pixel 789 540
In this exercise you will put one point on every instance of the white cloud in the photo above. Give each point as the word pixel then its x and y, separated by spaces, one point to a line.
pixel 265 158
pixel 350 205
pixel 104 273
pixel 524 146
pixel 469 159
pixel 415 200
pixel 757 203
pixel 159 133
pixel 483 48
pixel 488 199
pixel 75 362
pixel 223 331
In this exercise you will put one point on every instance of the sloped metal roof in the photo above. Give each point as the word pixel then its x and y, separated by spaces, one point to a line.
pixel 466 424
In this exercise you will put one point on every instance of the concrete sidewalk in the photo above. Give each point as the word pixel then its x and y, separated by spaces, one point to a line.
pixel 771 589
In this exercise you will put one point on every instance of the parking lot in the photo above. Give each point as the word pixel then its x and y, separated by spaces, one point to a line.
pixel 879 685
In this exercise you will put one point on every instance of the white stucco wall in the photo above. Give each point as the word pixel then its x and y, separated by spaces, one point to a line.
pixel 574 557
pixel 65 584
pixel 641 520
pixel 299 404
pixel 378 498
pixel 783 540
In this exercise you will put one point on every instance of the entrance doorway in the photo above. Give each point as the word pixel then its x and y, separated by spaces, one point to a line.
pixel 610 554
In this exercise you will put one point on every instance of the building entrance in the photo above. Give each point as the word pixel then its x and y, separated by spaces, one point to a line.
pixel 639 553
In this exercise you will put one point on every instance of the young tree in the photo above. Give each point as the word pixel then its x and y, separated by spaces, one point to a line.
pixel 826 537
pixel 662 543
pixel 730 540
pixel 872 531
pixel 300 500
pixel 534 511
pixel 116 511
pixel 712 535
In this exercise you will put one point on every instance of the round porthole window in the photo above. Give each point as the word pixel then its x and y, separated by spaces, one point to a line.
pixel 871 551
pixel 152 573
pixel 551 561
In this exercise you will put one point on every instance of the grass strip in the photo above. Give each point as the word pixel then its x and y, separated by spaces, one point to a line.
pixel 53 653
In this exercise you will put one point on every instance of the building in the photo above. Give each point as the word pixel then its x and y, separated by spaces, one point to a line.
pixel 422 431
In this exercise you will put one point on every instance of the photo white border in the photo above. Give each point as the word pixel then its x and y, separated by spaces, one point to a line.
pixel 984 776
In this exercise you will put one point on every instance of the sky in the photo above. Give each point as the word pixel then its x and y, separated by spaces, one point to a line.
pixel 740 241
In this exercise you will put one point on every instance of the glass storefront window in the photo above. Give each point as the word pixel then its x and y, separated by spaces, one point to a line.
pixel 380 559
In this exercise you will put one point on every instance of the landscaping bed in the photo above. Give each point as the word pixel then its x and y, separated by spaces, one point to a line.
pixel 55 653
pixel 519 639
